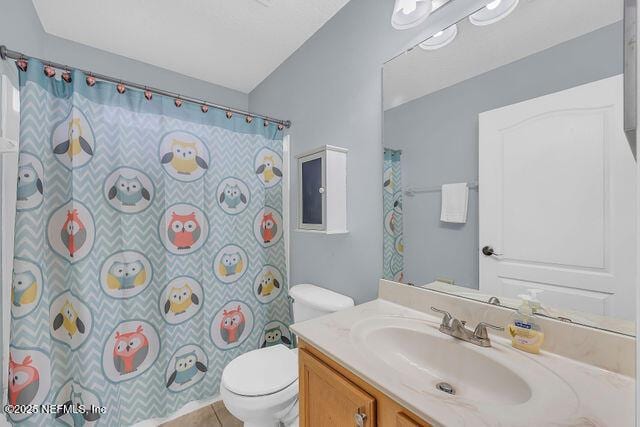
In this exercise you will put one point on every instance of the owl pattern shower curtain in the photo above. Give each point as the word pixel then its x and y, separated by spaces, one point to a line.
pixel 149 251
pixel 392 241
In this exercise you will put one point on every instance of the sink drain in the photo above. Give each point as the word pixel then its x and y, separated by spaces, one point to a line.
pixel 446 387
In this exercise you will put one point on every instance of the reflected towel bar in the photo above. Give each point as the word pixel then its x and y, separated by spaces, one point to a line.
pixel 410 192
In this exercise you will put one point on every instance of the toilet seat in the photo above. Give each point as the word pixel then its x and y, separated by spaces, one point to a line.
pixel 264 411
pixel 261 372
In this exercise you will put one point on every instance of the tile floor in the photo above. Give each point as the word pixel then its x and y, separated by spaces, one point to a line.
pixel 215 415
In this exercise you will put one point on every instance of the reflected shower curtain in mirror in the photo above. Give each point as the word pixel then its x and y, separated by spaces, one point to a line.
pixel 149 250
pixel 393 246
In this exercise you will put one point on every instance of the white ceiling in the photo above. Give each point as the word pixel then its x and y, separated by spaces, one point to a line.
pixel 535 25
pixel 233 43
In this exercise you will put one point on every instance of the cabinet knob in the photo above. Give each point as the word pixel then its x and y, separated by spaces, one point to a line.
pixel 360 418
pixel 321 190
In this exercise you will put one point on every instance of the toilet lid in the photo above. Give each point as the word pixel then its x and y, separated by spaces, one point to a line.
pixel 260 372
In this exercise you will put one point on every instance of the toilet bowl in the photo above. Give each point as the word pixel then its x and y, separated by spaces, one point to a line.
pixel 260 387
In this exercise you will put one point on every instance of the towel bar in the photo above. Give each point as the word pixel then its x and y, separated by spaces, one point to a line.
pixel 413 191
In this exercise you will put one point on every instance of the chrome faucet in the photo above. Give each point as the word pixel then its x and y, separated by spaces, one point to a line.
pixel 457 329
pixel 494 301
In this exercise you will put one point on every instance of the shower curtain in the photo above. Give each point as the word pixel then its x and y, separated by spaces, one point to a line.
pixel 393 247
pixel 149 250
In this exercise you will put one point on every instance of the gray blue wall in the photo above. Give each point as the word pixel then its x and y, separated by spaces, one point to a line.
pixel 331 89
pixel 20 30
pixel 438 135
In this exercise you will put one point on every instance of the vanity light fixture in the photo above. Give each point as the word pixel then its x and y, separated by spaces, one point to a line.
pixel 493 12
pixel 409 13
pixel 440 39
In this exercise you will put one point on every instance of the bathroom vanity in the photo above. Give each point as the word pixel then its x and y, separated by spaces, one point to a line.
pixel 386 363
pixel 330 394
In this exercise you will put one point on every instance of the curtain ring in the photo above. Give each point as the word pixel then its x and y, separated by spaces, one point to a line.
pixel 22 64
pixel 49 71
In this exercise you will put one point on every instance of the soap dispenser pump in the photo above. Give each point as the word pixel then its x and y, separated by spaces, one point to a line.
pixel 534 301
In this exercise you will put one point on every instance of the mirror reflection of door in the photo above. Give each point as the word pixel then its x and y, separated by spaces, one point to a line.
pixel 525 114
pixel 558 200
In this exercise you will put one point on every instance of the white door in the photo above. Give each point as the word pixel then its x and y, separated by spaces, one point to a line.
pixel 558 200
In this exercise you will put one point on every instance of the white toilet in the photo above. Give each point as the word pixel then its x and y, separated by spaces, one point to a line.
pixel 260 387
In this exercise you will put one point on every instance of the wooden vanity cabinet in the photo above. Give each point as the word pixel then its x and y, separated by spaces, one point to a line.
pixel 329 399
pixel 331 395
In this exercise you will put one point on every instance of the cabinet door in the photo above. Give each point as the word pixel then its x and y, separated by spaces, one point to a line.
pixel 311 179
pixel 327 399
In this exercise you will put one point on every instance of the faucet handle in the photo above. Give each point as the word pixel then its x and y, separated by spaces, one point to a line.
pixel 446 319
pixel 481 330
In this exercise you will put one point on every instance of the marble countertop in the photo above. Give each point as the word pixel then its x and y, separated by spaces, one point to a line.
pixel 601 397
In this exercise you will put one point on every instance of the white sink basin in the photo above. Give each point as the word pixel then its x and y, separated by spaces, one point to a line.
pixel 420 356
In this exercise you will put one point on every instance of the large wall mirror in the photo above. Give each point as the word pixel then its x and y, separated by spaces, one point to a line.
pixel 506 167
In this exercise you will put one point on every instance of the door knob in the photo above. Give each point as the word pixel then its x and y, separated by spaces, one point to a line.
pixel 488 251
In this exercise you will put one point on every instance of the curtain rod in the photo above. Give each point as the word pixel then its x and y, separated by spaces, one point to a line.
pixel 11 54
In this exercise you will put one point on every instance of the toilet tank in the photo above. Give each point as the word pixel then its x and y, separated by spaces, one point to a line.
pixel 311 301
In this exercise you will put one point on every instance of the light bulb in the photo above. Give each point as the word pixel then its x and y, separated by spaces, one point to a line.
pixel 410 13
pixel 408 7
pixel 440 39
pixel 493 12
pixel 494 4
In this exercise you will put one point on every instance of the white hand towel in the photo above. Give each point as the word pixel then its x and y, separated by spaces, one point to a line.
pixel 455 199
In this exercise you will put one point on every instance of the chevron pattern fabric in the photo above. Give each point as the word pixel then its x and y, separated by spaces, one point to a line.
pixel 393 246
pixel 149 251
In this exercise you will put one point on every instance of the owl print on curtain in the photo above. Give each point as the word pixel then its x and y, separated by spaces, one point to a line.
pixel 149 242
pixel 393 246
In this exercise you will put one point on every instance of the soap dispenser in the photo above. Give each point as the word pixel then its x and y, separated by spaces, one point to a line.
pixel 526 333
